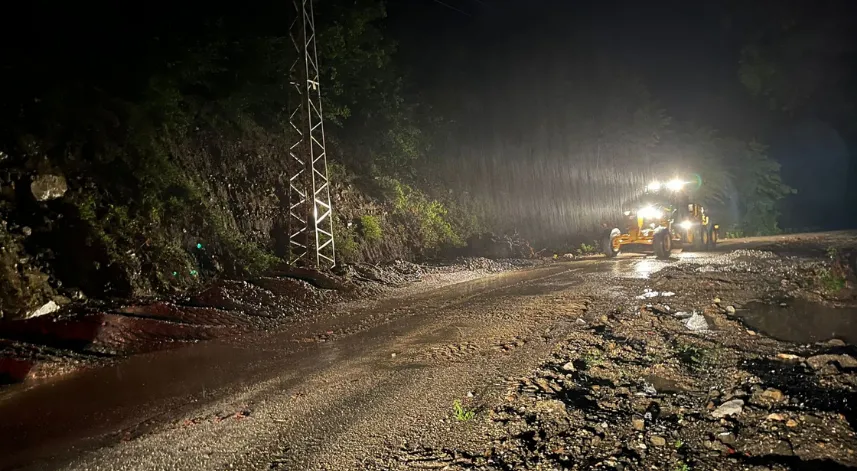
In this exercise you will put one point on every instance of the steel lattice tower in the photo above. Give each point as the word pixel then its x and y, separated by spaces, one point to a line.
pixel 310 212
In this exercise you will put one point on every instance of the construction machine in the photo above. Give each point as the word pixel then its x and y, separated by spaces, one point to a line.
pixel 661 220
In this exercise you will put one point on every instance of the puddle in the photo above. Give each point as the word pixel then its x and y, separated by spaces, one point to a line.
pixel 802 321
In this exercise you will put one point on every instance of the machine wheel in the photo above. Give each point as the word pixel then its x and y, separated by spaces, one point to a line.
pixel 712 238
pixel 607 243
pixel 662 243
pixel 704 236
pixel 697 244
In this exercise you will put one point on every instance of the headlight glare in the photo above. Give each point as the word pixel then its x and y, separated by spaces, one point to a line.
pixel 654 186
pixel 675 184
pixel 649 212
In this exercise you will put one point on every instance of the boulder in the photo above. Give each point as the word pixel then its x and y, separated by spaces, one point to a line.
pixel 48 187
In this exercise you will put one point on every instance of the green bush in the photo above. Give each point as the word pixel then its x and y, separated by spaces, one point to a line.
pixel 370 228
pixel 347 247
pixel 586 249
pixel 431 216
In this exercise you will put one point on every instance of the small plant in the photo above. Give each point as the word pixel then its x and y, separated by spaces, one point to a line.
pixel 681 466
pixel 832 279
pixel 370 228
pixel 678 444
pixel 593 358
pixel 462 414
pixel 586 249
pixel 695 357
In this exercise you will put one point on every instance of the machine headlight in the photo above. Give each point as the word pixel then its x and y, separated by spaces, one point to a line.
pixel 675 185
pixel 686 224
pixel 654 186
pixel 650 212
pixel 627 212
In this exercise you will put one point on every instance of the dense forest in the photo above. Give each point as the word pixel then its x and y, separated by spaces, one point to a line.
pixel 144 153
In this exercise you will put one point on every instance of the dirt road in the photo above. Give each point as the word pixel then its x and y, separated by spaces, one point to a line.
pixel 571 366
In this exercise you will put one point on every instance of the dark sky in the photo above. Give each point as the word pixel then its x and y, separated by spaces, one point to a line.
pixel 686 52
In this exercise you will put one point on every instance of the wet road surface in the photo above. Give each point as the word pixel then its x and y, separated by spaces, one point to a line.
pixel 324 394
pixel 50 423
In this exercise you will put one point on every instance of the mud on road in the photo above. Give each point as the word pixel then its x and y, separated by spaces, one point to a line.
pixel 705 361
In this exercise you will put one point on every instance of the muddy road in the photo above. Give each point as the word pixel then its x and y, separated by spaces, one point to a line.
pixel 739 359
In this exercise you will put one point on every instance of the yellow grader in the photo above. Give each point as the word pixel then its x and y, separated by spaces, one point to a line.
pixel 664 219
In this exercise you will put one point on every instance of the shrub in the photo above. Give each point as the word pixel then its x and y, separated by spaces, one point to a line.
pixel 370 228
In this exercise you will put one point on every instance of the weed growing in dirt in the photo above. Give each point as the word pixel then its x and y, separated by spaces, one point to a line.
pixel 593 358
pixel 832 279
pixel 830 282
pixel 681 466
pixel 462 414
pixel 693 356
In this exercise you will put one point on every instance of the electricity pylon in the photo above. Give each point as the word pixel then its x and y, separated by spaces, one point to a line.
pixel 310 212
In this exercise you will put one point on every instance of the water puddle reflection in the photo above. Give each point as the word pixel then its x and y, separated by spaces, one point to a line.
pixel 802 321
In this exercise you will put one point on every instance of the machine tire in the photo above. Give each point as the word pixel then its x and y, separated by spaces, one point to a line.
pixel 607 242
pixel 698 244
pixel 712 238
pixel 662 243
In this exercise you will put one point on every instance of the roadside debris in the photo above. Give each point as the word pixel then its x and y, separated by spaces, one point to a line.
pixel 696 323
pixel 733 407
pixel 642 392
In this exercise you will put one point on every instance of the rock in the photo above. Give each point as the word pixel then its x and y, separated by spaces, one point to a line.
pixel 787 356
pixel 696 323
pixel 776 417
pixel 657 440
pixel 750 332
pixel 568 366
pixel 820 361
pixel 26 231
pixel 730 310
pixel 772 394
pixel 580 321
pixel 733 407
pixel 682 315
pixel 647 293
pixel 716 300
pixel 48 187
pixel 544 385
pixel 638 424
pixel 551 406
pixel 726 438
pixel 791 423
pixel 835 343
pixel 46 308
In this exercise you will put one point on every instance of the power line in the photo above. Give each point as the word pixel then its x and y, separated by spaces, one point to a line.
pixel 452 8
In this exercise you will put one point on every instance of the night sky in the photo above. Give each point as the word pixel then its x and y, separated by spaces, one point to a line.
pixel 686 53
